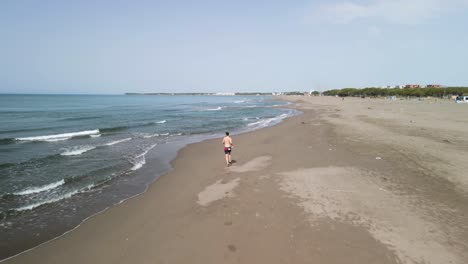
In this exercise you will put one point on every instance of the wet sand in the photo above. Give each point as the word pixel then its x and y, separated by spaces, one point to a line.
pixel 353 181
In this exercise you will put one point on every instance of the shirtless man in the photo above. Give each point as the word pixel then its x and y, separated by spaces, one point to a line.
pixel 227 141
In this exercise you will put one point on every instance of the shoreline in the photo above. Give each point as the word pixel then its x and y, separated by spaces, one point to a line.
pixel 160 157
pixel 299 192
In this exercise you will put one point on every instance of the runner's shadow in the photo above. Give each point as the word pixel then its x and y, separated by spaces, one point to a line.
pixel 233 161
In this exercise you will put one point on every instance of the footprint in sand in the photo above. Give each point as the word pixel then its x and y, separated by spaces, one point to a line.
pixel 256 164
pixel 232 248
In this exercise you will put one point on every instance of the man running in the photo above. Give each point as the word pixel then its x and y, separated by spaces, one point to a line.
pixel 227 141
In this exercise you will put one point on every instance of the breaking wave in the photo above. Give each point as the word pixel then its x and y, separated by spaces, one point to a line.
pixel 39 189
pixel 117 141
pixel 268 121
pixel 52 200
pixel 214 109
pixel 140 160
pixel 74 151
pixel 59 137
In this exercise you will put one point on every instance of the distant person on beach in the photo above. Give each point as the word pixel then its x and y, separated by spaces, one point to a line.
pixel 227 141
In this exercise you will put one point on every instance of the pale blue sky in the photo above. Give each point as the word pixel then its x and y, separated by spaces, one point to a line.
pixel 207 46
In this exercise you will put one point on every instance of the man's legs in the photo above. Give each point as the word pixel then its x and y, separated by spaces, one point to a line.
pixel 230 160
pixel 227 159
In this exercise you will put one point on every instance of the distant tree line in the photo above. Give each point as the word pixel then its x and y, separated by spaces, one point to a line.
pixel 293 93
pixel 413 92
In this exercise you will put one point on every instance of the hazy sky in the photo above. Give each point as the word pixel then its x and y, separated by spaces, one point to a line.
pixel 205 46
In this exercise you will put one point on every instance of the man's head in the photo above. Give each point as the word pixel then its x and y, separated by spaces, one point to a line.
pixel 227 133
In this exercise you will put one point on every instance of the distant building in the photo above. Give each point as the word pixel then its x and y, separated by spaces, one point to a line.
pixel 412 86
pixel 433 86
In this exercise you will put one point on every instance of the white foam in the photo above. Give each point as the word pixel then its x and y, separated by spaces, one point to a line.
pixel 268 121
pixel 140 160
pixel 214 109
pixel 39 189
pixel 258 122
pixel 96 136
pixel 59 137
pixel 160 122
pixel 249 118
pixel 53 200
pixel 77 150
pixel 117 141
pixel 165 134
pixel 151 136
pixel 240 101
pixel 53 140
pixel 138 165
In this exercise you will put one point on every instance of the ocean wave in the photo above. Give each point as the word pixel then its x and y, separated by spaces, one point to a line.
pixel 140 160
pixel 240 101
pixel 52 200
pixel 81 118
pixel 57 198
pixel 151 136
pixel 162 135
pixel 268 121
pixel 39 189
pixel 250 118
pixel 59 137
pixel 214 109
pixel 121 128
pixel 117 141
pixel 113 129
pixel 89 177
pixel 65 136
pixel 74 151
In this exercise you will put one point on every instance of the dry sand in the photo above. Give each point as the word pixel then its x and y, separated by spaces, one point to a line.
pixel 353 181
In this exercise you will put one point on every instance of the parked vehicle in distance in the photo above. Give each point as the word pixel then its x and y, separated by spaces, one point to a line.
pixel 461 99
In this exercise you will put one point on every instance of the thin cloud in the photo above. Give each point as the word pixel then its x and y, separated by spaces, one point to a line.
pixel 393 11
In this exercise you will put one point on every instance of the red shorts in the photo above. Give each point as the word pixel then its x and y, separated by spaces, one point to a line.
pixel 227 150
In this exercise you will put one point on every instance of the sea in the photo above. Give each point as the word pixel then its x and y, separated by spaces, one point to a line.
pixel 64 158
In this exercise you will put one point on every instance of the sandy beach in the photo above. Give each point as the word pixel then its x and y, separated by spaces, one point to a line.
pixel 348 181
